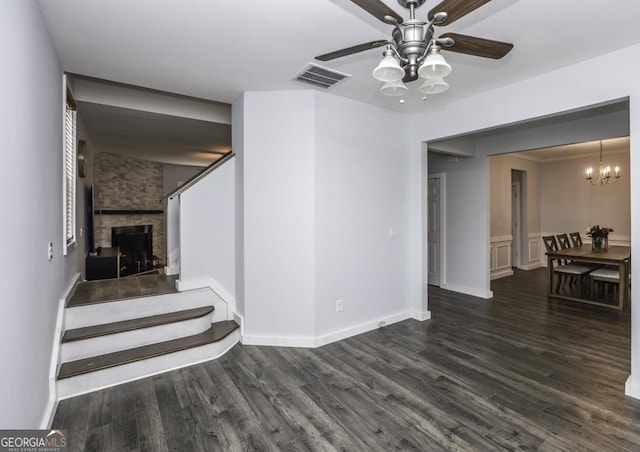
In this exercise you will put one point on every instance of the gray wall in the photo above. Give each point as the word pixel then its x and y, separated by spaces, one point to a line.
pixel 31 181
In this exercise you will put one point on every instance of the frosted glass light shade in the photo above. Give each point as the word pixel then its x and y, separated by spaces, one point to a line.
pixel 434 85
pixel 434 65
pixel 388 70
pixel 396 88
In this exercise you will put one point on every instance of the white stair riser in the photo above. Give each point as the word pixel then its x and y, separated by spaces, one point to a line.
pixel 93 381
pixel 116 311
pixel 101 345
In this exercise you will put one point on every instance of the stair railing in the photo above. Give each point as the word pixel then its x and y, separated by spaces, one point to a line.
pixel 193 180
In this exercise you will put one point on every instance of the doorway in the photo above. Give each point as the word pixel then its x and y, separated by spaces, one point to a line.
pixel 516 218
pixel 435 229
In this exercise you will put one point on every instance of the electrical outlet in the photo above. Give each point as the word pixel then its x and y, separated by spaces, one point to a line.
pixel 339 305
pixel 50 251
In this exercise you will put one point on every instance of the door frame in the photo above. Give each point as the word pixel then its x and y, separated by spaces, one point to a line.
pixel 517 234
pixel 442 177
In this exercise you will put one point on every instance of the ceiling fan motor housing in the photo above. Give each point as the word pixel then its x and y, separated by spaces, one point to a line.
pixel 411 44
pixel 407 3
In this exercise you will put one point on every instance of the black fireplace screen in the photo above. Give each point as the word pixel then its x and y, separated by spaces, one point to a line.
pixel 136 248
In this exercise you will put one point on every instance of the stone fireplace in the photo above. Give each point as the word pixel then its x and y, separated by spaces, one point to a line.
pixel 128 194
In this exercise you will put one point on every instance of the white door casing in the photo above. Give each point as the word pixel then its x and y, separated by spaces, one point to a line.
pixel 434 231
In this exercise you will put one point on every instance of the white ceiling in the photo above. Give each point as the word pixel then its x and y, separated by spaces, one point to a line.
pixel 577 150
pixel 152 136
pixel 215 50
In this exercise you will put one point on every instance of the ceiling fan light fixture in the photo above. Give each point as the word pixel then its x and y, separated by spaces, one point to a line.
pixel 434 65
pixel 388 70
pixel 434 85
pixel 396 88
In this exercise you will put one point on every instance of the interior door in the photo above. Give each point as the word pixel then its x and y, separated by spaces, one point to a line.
pixel 433 232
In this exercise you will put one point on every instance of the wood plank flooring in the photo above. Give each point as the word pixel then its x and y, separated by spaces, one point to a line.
pixel 105 290
pixel 518 372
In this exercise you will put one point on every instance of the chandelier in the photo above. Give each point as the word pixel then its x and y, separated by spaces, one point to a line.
pixel 604 173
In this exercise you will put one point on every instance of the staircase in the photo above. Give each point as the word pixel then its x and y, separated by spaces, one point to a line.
pixel 129 328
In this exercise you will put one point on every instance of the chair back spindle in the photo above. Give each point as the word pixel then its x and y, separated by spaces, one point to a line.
pixel 575 238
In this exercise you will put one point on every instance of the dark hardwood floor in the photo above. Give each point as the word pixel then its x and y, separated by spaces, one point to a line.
pixel 519 372
pixel 104 290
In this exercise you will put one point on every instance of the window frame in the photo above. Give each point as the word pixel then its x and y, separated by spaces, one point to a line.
pixel 69 167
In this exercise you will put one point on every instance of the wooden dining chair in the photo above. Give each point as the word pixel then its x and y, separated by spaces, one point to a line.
pixel 575 238
pixel 605 278
pixel 563 241
pixel 566 272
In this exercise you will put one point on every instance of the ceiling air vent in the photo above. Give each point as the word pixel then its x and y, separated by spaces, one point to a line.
pixel 319 76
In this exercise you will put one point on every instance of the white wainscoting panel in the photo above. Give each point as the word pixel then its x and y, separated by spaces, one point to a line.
pixel 536 252
pixel 500 255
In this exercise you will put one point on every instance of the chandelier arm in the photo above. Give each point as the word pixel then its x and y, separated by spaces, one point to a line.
pixel 430 44
pixel 402 59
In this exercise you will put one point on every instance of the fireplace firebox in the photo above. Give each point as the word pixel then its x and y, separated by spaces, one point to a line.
pixel 136 248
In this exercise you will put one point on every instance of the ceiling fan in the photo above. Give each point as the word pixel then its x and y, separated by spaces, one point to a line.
pixel 414 50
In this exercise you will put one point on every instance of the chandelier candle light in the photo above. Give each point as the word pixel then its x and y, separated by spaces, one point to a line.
pixel 604 173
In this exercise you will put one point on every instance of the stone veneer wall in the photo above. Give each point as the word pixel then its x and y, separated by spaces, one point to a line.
pixel 126 183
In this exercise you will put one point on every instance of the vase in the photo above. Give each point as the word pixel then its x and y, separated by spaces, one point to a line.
pixel 597 244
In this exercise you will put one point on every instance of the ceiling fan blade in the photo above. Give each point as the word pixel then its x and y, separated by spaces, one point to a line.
pixel 351 50
pixel 378 9
pixel 477 46
pixel 456 9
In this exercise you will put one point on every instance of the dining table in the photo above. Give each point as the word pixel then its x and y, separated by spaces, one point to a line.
pixel 619 256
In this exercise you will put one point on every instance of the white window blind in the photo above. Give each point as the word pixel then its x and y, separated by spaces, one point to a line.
pixel 69 169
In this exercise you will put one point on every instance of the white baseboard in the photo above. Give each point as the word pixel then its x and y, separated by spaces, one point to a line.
pixel 239 319
pixel 486 294
pixel 362 328
pixel 531 266
pixel 52 404
pixel 276 341
pixel 632 389
pixel 421 316
pixel 214 285
pixel 502 273
pixel 318 341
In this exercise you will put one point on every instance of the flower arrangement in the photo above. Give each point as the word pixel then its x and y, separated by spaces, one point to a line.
pixel 596 231
pixel 599 237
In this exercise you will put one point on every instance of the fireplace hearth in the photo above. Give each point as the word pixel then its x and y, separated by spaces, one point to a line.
pixel 136 248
